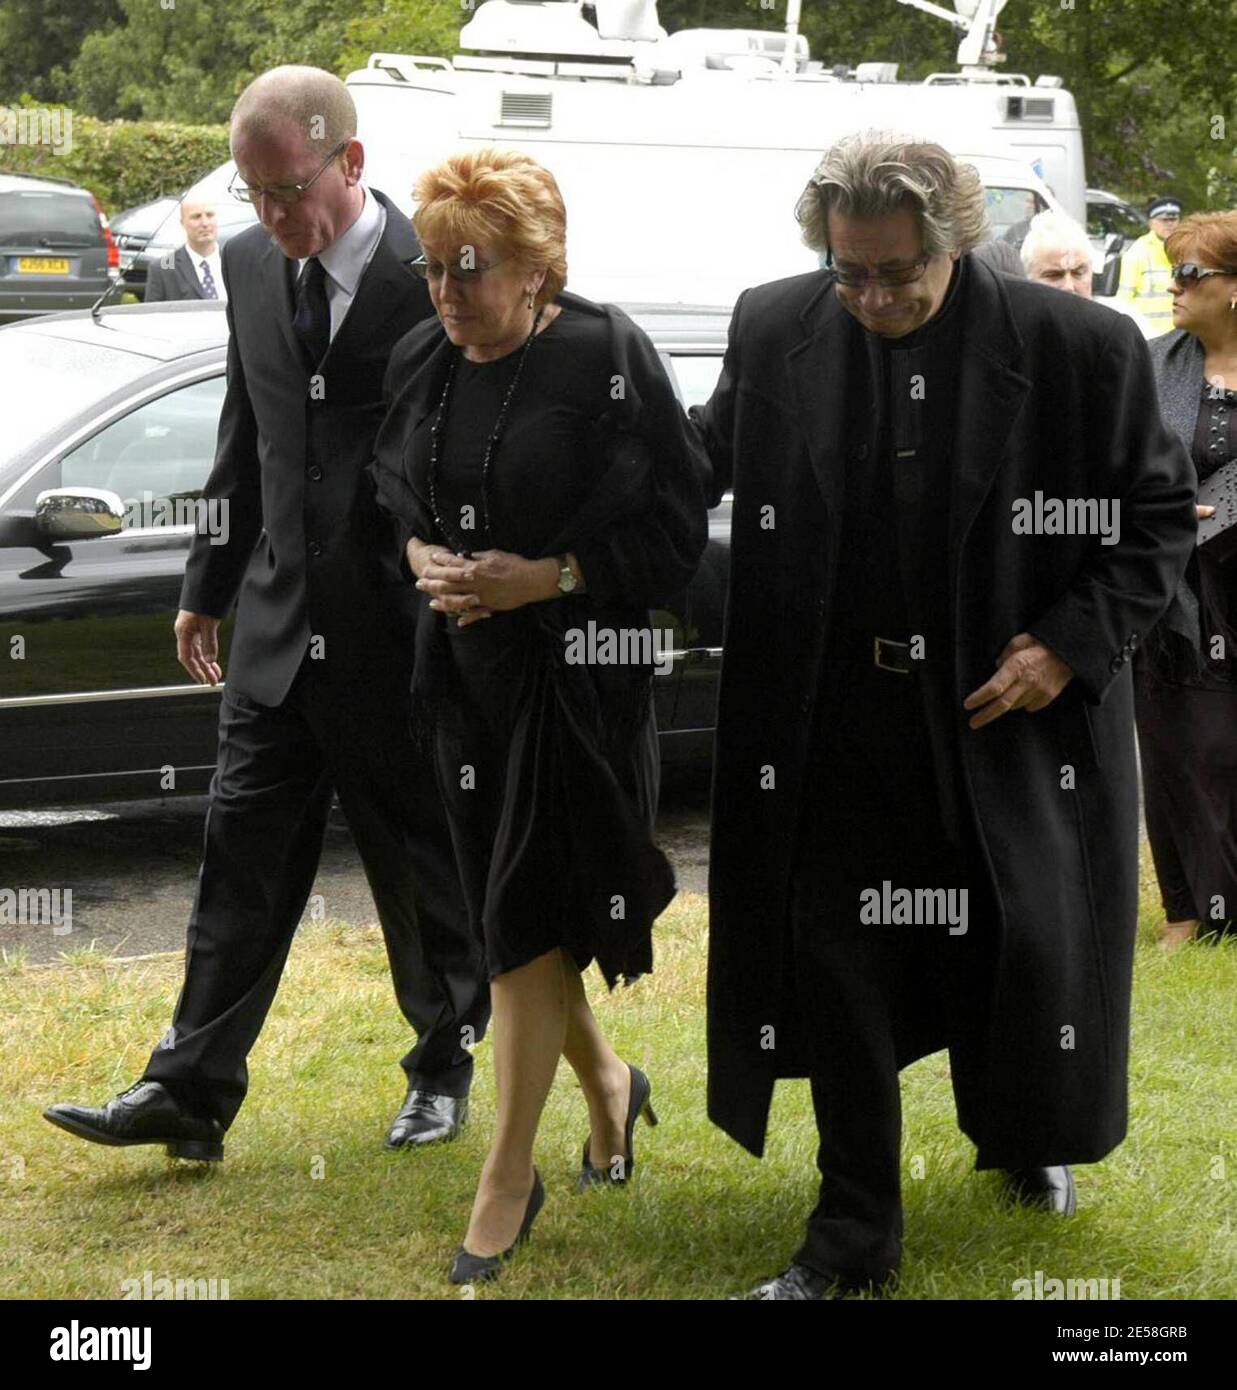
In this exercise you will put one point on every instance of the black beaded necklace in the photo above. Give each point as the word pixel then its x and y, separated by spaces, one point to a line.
pixel 458 543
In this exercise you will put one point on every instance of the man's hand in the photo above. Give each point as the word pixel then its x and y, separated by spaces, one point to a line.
pixel 491 581
pixel 197 646
pixel 1029 676
pixel 1204 513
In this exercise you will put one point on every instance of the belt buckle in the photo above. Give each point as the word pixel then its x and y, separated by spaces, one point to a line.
pixel 878 643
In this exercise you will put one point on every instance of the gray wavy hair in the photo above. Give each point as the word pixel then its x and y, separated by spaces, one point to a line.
pixel 874 173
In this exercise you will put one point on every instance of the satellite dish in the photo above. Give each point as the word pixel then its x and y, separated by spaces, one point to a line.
pixel 967 8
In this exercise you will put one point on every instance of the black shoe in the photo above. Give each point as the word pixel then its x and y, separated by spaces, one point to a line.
pixel 798 1282
pixel 1052 1188
pixel 638 1104
pixel 472 1269
pixel 144 1114
pixel 426 1118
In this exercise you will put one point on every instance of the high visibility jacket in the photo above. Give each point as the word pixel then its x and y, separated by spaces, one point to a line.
pixel 1145 275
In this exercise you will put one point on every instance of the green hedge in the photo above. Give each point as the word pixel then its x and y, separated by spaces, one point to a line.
pixel 124 163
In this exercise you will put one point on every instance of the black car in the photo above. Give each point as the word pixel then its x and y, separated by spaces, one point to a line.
pixel 56 249
pixel 133 228
pixel 109 437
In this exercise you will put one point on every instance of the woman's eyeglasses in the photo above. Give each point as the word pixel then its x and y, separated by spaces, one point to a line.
pixel 891 279
pixel 1188 273
pixel 458 274
pixel 282 192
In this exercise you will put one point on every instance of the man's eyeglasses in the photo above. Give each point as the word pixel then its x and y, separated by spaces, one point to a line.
pixel 1187 273
pixel 282 192
pixel 458 275
pixel 891 279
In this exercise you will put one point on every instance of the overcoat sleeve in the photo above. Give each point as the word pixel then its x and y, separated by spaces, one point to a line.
pixel 651 552
pixel 714 421
pixel 401 392
pixel 213 573
pixel 1120 594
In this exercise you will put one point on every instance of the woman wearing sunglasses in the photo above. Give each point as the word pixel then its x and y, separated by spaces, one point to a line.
pixel 547 491
pixel 1186 673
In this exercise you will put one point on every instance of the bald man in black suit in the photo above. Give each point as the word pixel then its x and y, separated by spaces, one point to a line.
pixel 321 655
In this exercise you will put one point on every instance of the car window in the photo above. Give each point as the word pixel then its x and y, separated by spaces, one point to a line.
pixel 696 375
pixel 48 381
pixel 30 218
pixel 1007 207
pixel 1105 218
pixel 154 456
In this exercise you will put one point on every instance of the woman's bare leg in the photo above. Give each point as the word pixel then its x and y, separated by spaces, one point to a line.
pixel 529 1021
pixel 603 1075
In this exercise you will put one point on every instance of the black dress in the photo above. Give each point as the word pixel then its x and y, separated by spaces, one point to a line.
pixel 549 769
pixel 1186 708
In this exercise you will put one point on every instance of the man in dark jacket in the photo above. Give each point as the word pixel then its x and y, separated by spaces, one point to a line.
pixel 321 655
pixel 194 270
pixel 956 512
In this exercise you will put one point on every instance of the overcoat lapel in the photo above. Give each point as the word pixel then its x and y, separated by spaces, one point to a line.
pixel 990 396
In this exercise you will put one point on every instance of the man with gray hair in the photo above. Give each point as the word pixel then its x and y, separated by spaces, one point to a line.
pixel 320 660
pixel 1056 252
pixel 925 826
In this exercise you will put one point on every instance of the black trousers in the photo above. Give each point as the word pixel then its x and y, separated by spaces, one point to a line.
pixel 1187 740
pixel 269 802
pixel 872 997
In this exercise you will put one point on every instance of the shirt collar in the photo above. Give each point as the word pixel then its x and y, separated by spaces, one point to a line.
pixel 348 255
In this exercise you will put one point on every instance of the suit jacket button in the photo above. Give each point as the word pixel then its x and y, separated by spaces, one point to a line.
pixel 315 548
pixel 861 452
pixel 806 703
pixel 1133 639
pixel 316 473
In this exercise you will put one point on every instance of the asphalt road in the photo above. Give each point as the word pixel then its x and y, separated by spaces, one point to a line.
pixel 132 869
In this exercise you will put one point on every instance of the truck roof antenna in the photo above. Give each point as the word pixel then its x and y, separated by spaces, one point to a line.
pixel 976 21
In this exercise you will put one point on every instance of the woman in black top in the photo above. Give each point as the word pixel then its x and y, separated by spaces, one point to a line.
pixel 1186 677
pixel 547 492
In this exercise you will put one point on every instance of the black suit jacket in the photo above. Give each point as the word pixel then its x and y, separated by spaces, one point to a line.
pixel 179 282
pixel 307 551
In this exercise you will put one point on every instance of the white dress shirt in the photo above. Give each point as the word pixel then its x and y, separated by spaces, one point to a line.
pixel 215 261
pixel 347 256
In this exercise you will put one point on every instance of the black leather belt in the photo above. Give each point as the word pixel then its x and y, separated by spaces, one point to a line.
pixel 864 649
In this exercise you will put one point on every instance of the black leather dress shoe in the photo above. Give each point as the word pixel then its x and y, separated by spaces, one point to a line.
pixel 1051 1188
pixel 427 1118
pixel 798 1282
pixel 467 1268
pixel 144 1114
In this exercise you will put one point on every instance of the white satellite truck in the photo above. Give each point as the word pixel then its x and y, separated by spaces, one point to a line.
pixel 681 156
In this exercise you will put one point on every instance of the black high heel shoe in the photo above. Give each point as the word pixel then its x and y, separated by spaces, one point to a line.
pixel 638 1104
pixel 467 1268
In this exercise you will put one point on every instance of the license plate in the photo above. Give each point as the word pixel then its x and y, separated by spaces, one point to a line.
pixel 42 265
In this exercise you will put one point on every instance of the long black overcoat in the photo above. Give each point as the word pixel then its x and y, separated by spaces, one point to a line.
pixel 1055 394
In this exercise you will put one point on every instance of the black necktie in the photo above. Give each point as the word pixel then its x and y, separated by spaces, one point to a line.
pixel 312 319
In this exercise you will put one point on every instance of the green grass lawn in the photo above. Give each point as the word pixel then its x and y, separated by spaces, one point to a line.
pixel 701 1218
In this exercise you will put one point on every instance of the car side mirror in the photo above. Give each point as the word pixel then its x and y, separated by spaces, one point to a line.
pixel 78 513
